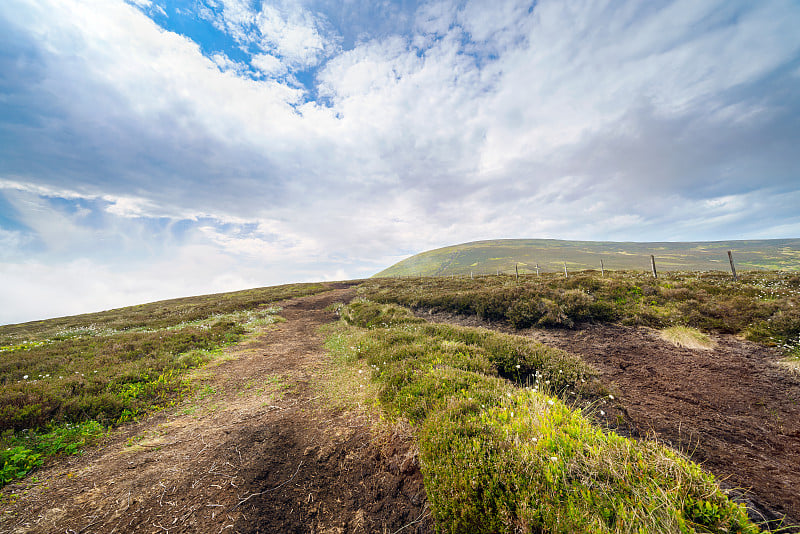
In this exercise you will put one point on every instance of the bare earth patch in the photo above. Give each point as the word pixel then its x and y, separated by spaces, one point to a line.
pixel 258 449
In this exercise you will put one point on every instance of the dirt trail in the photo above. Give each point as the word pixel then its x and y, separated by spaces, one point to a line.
pixel 732 409
pixel 256 450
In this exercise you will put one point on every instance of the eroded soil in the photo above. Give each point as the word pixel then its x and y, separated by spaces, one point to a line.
pixel 258 449
pixel 731 409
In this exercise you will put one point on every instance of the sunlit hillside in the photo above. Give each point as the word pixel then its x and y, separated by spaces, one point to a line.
pixel 506 255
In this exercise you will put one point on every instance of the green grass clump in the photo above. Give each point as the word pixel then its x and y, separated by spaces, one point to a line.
pixel 63 381
pixel 506 454
pixel 765 307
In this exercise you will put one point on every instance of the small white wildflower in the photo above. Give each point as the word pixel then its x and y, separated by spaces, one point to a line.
pixel 554 458
pixel 517 366
pixel 547 382
pixel 602 412
pixel 611 397
pixel 25 377
pixel 534 439
pixel 512 414
pixel 560 371
pixel 550 402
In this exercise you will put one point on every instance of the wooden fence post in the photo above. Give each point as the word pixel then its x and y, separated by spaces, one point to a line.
pixel 537 268
pixel 653 264
pixel 565 270
pixel 471 276
pixel 516 269
pixel 733 267
pixel 602 269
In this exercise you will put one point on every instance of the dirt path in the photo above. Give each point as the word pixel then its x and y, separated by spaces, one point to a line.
pixel 258 449
pixel 732 409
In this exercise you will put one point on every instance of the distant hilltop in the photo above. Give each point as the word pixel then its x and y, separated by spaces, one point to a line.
pixel 504 255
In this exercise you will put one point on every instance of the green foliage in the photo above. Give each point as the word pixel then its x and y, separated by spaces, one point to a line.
pixel 64 380
pixel 17 462
pixel 763 306
pixel 22 452
pixel 498 457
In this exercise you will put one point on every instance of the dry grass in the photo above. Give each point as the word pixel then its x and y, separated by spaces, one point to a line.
pixel 792 363
pixel 687 337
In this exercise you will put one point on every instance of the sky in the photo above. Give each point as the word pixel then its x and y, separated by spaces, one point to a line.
pixel 152 149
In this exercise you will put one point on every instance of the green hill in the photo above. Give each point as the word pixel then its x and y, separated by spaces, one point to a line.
pixel 489 257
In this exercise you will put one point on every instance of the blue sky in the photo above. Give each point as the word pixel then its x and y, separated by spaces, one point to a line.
pixel 153 149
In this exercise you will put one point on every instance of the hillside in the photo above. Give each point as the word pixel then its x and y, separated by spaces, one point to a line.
pixel 333 407
pixel 488 257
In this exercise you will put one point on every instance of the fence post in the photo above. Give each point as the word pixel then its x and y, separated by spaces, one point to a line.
pixel 516 269
pixel 537 268
pixel 602 269
pixel 471 276
pixel 653 264
pixel 565 270
pixel 733 267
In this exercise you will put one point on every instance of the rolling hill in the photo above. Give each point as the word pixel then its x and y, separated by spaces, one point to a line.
pixel 489 257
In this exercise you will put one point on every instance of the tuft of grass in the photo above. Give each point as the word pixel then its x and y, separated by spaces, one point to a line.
pixel 687 337
pixel 792 360
pixel 501 453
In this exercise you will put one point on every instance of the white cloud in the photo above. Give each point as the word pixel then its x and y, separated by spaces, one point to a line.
pixel 268 64
pixel 235 17
pixel 226 64
pixel 292 34
pixel 435 17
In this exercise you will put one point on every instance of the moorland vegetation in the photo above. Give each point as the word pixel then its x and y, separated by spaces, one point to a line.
pixel 760 306
pixel 502 447
pixel 65 382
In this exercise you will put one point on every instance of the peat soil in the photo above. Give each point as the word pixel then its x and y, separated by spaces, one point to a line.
pixel 259 448
pixel 732 409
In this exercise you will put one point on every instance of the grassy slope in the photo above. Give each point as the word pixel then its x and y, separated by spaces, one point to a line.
pixel 64 381
pixel 486 257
